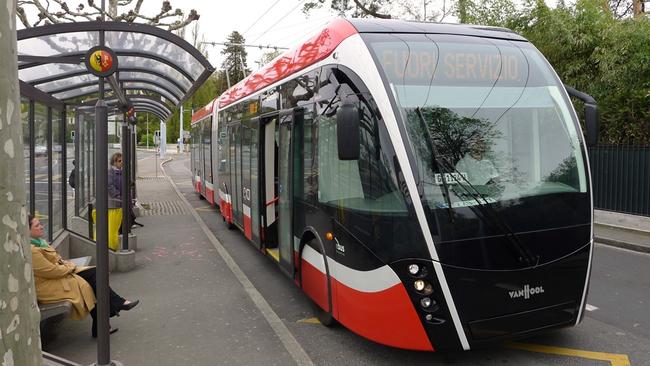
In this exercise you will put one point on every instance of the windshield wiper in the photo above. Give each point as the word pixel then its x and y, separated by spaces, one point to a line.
pixel 522 253
pixel 436 160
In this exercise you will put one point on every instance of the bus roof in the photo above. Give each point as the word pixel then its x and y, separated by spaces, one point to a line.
pixel 408 26
pixel 315 49
pixel 204 112
pixel 323 44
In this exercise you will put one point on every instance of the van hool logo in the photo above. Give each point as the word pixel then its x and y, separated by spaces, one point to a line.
pixel 526 292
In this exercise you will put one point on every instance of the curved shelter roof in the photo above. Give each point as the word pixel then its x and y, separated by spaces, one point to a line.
pixel 157 70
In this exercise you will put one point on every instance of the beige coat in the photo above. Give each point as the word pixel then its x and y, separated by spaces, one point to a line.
pixel 56 280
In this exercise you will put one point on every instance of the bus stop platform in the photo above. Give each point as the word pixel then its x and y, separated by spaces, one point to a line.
pixel 193 310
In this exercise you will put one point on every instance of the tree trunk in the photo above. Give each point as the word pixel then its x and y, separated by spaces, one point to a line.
pixel 20 342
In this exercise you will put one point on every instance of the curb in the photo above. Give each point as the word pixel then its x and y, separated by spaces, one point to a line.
pixel 621 244
pixel 623 228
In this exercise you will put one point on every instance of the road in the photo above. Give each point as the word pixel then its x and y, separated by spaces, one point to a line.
pixel 615 329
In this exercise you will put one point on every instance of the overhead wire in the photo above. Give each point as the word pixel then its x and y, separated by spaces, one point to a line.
pixel 261 16
pixel 279 20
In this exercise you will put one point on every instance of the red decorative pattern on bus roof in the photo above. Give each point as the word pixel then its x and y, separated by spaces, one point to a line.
pixel 203 112
pixel 316 49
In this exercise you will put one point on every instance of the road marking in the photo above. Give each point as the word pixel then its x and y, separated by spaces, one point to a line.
pixel 274 252
pixel 290 343
pixel 205 208
pixel 590 307
pixel 615 359
pixel 309 321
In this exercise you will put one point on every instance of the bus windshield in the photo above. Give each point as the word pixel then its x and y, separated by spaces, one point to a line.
pixel 494 112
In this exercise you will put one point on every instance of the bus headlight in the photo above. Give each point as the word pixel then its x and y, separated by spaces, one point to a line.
pixel 414 269
pixel 419 285
pixel 425 302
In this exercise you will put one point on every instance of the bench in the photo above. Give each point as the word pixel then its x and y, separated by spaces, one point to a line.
pixel 56 311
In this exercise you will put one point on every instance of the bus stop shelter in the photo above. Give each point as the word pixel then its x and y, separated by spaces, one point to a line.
pixel 67 109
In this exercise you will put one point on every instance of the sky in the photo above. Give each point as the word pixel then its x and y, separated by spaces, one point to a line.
pixel 262 22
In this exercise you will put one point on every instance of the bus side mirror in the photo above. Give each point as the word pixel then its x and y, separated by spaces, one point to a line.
pixel 591 122
pixel 347 131
pixel 591 114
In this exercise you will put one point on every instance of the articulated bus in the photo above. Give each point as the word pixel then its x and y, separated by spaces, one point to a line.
pixel 426 185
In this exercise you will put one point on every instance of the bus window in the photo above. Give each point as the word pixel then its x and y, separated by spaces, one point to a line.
pixel 369 183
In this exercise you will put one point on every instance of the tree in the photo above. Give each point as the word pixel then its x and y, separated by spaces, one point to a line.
pixel 19 317
pixel 60 12
pixel 267 57
pixel 235 54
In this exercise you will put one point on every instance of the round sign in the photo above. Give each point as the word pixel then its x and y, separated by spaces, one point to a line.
pixel 101 61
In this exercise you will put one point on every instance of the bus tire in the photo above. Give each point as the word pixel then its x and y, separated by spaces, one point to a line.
pixel 324 317
pixel 201 197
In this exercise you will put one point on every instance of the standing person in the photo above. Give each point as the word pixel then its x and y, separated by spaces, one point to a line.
pixel 115 191
pixel 72 179
pixel 57 280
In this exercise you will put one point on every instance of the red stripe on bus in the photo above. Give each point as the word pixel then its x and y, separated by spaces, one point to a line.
pixel 248 232
pixel 210 194
pixel 385 317
pixel 203 112
pixel 314 284
pixel 316 49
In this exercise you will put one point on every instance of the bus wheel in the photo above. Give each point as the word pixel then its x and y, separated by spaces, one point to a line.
pixel 324 317
pixel 201 197
pixel 229 225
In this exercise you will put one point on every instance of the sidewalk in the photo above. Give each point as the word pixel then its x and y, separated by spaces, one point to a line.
pixel 622 230
pixel 193 310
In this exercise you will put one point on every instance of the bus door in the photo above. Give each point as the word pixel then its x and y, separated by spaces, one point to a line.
pixel 235 174
pixel 269 190
pixel 285 202
pixel 246 133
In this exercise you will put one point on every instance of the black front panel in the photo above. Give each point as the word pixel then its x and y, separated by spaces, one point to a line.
pixel 507 296
pixel 524 322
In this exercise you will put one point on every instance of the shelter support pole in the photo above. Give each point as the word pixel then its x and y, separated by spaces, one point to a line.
pixel 101 205
pixel 126 184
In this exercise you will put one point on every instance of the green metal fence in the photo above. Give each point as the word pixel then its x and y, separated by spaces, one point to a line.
pixel 621 178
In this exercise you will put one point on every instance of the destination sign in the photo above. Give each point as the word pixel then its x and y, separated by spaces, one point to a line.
pixel 423 63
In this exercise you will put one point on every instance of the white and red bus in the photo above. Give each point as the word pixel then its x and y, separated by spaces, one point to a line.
pixel 426 185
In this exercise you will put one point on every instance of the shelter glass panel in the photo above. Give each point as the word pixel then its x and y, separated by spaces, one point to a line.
pixel 76 92
pixel 151 77
pixel 41 177
pixel 150 64
pixel 58 44
pixel 71 157
pixel 158 46
pixel 41 71
pixel 24 119
pixel 146 86
pixel 66 82
pixel 57 172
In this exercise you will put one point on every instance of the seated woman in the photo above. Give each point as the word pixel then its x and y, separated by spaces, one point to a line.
pixel 57 280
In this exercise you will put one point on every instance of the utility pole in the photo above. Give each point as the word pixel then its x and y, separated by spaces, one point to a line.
pixel 147 131
pixel 180 133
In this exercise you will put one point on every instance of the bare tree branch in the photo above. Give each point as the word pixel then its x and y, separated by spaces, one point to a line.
pixel 370 11
pixel 20 12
